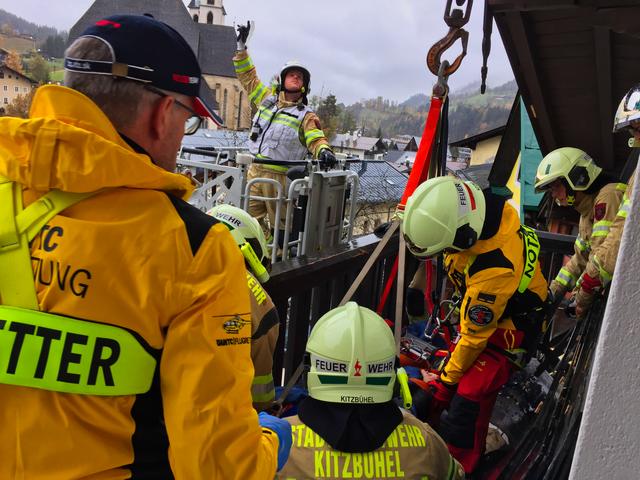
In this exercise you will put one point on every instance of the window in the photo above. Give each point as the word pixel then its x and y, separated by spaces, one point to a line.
pixel 6 101
pixel 211 2
pixel 25 89
pixel 16 89
pixel 5 88
pixel 209 18
pixel 1 74
pixel 195 18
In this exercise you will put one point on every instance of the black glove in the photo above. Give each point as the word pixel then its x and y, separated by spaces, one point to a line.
pixel 243 34
pixel 327 159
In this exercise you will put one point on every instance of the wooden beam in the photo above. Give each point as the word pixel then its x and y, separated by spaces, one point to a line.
pixel 501 6
pixel 519 50
pixel 602 40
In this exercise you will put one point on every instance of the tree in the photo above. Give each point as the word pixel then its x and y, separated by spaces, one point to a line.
pixel 7 29
pixel 379 132
pixel 20 105
pixel 53 46
pixel 13 61
pixel 328 113
pixel 38 69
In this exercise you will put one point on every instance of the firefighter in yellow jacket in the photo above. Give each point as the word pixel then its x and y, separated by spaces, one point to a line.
pixel 283 129
pixel 265 322
pixel 133 357
pixel 493 262
pixel 604 261
pixel 573 179
pixel 349 426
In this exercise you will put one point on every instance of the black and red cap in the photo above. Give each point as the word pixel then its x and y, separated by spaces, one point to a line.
pixel 148 51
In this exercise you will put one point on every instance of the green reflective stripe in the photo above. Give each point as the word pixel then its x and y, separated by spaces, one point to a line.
pixel 275 168
pixel 258 93
pixel 582 245
pixel 264 397
pixel 243 65
pixel 62 354
pixel 601 228
pixel 312 135
pixel 604 275
pixel 262 388
pixel 625 208
pixel 621 186
pixel 265 113
pixel 289 122
pixel 531 253
pixel 263 379
pixel 565 278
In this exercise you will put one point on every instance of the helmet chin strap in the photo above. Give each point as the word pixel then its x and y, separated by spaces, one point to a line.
pixel 300 90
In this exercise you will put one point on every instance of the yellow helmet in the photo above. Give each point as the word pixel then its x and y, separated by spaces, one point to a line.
pixel 352 357
pixel 573 165
pixel 443 213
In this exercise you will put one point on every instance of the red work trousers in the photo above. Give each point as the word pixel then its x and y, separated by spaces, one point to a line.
pixel 465 427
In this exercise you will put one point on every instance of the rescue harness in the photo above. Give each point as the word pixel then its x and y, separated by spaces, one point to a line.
pixel 49 351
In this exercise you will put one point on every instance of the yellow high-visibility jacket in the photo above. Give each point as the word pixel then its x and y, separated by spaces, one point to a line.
pixel 135 256
pixel 488 275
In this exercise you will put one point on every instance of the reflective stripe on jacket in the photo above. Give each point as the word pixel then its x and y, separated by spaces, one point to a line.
pixel 605 259
pixel 265 326
pixel 280 140
pixel 597 215
pixel 139 257
pixel 488 275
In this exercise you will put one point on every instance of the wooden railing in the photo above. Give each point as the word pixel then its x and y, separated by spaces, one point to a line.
pixel 303 289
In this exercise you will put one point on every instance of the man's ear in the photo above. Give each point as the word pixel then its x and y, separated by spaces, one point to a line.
pixel 159 123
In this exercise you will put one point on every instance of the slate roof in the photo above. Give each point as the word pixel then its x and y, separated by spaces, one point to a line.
pixel 358 143
pixel 214 44
pixel 478 174
pixel 216 139
pixel 217 48
pixel 379 182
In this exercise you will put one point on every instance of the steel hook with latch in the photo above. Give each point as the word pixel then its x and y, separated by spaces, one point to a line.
pixel 435 52
pixel 455 20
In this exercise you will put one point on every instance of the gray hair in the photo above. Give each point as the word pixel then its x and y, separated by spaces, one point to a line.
pixel 120 99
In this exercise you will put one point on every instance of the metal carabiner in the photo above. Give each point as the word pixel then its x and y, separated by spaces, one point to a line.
pixel 438 48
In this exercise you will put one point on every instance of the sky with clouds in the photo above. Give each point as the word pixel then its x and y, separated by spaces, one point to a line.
pixel 354 49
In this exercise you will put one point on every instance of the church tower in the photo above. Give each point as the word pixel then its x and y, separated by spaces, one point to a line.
pixel 207 11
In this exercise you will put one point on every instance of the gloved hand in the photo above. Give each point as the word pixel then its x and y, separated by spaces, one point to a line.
pixel 590 284
pixel 282 428
pixel 430 399
pixel 244 32
pixel 327 159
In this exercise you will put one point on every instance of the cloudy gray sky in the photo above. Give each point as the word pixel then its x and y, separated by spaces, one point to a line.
pixel 354 48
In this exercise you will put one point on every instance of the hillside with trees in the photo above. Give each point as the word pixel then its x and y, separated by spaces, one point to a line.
pixel 469 113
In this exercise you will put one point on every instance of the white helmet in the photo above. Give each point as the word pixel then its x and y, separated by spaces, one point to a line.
pixel 248 235
pixel 628 112
pixel 306 76
pixel 443 213
pixel 353 356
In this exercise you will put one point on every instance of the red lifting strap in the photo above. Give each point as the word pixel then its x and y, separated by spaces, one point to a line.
pixel 420 168
pixel 387 287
